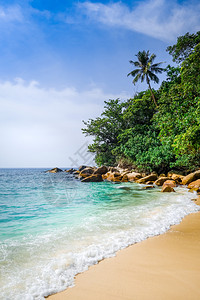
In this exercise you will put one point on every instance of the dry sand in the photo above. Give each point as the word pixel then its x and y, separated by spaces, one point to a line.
pixel 162 267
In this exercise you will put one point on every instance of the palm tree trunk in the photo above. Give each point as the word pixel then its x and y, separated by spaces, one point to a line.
pixel 152 95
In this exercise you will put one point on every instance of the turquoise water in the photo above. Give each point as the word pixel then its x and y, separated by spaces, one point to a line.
pixel 52 226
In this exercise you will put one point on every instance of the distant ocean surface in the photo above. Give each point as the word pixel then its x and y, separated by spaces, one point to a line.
pixel 52 226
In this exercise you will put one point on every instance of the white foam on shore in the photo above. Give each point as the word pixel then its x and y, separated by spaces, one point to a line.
pixel 53 260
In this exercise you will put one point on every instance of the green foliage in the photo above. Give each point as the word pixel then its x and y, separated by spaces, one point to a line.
pixel 155 138
pixel 184 46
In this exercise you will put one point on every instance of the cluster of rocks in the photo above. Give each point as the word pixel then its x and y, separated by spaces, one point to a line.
pixel 117 175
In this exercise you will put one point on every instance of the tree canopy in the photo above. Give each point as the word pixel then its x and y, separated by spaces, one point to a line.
pixel 155 138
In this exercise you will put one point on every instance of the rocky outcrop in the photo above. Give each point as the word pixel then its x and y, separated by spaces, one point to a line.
pixel 151 177
pixel 133 176
pixel 191 177
pixel 167 189
pixel 55 170
pixel 161 180
pixel 101 170
pixel 93 178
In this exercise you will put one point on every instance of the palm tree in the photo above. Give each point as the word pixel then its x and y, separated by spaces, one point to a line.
pixel 146 69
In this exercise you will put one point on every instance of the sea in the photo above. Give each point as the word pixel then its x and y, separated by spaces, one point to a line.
pixel 52 226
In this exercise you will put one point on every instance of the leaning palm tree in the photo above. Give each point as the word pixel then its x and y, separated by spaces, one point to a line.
pixel 146 69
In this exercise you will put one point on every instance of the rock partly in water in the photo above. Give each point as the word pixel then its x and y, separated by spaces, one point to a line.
pixel 191 177
pixel 101 170
pixel 115 177
pixel 54 170
pixel 170 183
pixel 70 171
pixel 133 176
pixel 151 177
pixel 88 170
pixel 194 184
pixel 167 189
pixel 93 178
pixel 161 180
pixel 148 187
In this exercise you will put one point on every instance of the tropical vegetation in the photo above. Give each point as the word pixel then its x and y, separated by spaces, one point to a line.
pixel 153 137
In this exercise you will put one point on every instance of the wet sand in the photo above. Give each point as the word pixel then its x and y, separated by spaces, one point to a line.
pixel 165 267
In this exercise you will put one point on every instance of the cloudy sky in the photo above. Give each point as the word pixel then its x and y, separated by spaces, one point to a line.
pixel 61 59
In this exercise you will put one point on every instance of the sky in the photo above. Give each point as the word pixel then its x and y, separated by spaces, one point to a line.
pixel 60 60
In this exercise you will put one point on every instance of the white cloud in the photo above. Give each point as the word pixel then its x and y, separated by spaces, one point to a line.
pixel 11 13
pixel 161 19
pixel 42 127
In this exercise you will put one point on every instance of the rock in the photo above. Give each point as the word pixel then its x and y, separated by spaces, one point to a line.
pixel 150 182
pixel 161 180
pixel 197 190
pixel 124 188
pixel 70 171
pixel 93 178
pixel 55 170
pixel 148 187
pixel 194 184
pixel 101 170
pixel 177 178
pixel 162 175
pixel 76 172
pixel 191 177
pixel 133 176
pixel 116 177
pixel 124 178
pixel 151 177
pixel 88 170
pixel 170 183
pixel 81 168
pixel 112 169
pixel 167 189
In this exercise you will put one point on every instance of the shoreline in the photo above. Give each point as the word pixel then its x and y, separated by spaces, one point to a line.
pixel 161 267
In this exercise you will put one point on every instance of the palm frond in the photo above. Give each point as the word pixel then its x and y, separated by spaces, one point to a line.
pixel 136 78
pixel 153 77
pixel 134 72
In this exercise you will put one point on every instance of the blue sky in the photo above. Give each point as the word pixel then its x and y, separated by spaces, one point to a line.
pixel 61 59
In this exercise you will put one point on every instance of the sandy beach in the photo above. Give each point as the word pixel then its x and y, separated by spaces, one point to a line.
pixel 161 267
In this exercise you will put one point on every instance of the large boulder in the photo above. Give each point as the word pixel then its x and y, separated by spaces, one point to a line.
pixel 177 178
pixel 194 184
pixel 101 170
pixel 191 177
pixel 133 176
pixel 170 183
pixel 115 177
pixel 55 170
pixel 93 178
pixel 151 177
pixel 88 170
pixel 161 180
pixel 167 189
pixel 81 168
